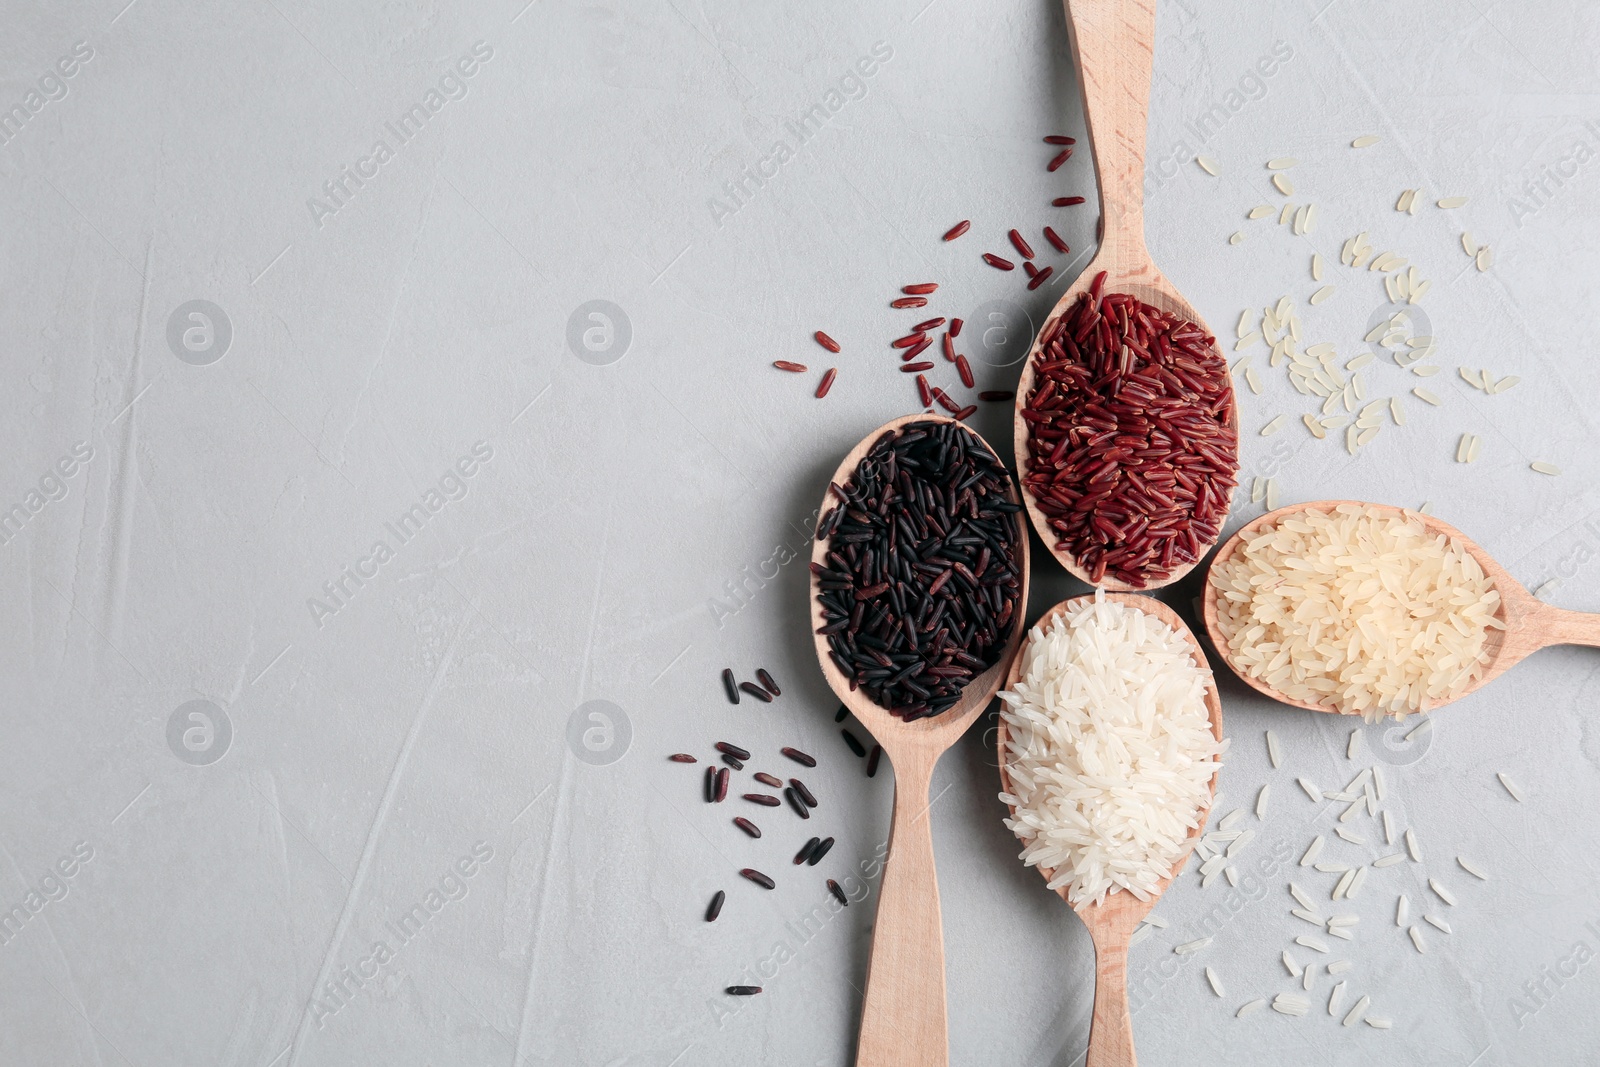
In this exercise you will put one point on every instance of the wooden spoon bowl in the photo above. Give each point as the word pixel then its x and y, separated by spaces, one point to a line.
pixel 1112 41
pixel 1113 920
pixel 1530 624
pixel 903 1014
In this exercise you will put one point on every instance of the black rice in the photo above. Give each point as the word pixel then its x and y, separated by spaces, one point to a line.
pixel 758 878
pixel 733 761
pixel 744 990
pixel 919 583
pixel 711 785
pixel 769 779
pixel 805 852
pixel 850 739
pixel 820 851
pixel 804 793
pixel 756 691
pixel 748 827
pixel 722 785
pixel 838 894
pixel 799 757
pixel 797 804
pixel 730 685
pixel 682 757
pixel 716 906
pixel 872 760
pixel 763 799
pixel 732 750
pixel 839 715
pixel 766 679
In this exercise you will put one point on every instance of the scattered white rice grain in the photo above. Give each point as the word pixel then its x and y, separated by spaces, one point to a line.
pixel 1406 198
pixel 1290 1004
pixel 1453 201
pixel 1508 382
pixel 1441 892
pixel 1274 753
pixel 1243 329
pixel 1472 449
pixel 1259 212
pixel 1484 258
pixel 1426 724
pixel 1353 745
pixel 1215 982
pixel 1366 140
pixel 1255 382
pixel 1356 882
pixel 1208 165
pixel 1286 187
pixel 1354 809
pixel 1330 868
pixel 1312 852
pixel 1232 819
pixel 1388 828
pixel 1340 966
pixel 1547 588
pixel 1395 412
pixel 1472 869
pixel 1336 997
pixel 1316 272
pixel 1344 884
pixel 1283 216
pixel 1425 396
pixel 1412 846
pixel 1341 932
pixel 1250 1009
pixel 1344 920
pixel 1424 372
pixel 1360 361
pixel 1349 835
pixel 1261 801
pixel 1467 244
pixel 1378 1023
pixel 1272 494
pixel 1378 781
pixel 1308 978
pixel 1322 294
pixel 1510 786
pixel 1300 895
pixel 1238 236
pixel 1138 936
pixel 1402 910
pixel 1416 938
pixel 1309 916
pixel 1358 1011
pixel 1437 923
pixel 1240 843
pixel 1231 873
pixel 1389 860
pixel 1274 426
pixel 1290 965
pixel 1157 921
pixel 1545 468
pixel 1311 789
pixel 1281 163
pixel 1315 427
pixel 1191 946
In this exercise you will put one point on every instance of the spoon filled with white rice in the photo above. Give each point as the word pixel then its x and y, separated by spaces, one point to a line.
pixel 1110 739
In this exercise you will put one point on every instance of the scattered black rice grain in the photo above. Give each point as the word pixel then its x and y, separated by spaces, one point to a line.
pixel 838 894
pixel 797 804
pixel 731 686
pixel 766 679
pixel 769 779
pixel 744 990
pixel 850 739
pixel 820 851
pixel 756 691
pixel 805 794
pixel 732 750
pixel 747 826
pixel 733 761
pixel 711 785
pixel 760 879
pixel 805 852
pixel 722 785
pixel 872 761
pixel 799 757
pixel 839 715
pixel 682 757
pixel 919 582
pixel 764 799
pixel 716 906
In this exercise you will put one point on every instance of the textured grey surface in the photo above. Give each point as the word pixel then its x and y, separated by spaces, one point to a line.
pixel 356 759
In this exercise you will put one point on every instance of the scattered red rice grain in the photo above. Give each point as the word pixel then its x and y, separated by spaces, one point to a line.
pixel 1040 278
pixel 766 800
pixel 908 340
pixel 747 826
pixel 1061 157
pixel 799 757
pixel 716 906
pixel 1057 138
pixel 783 364
pixel 1066 201
pixel 920 289
pixel 916 350
pixel 909 302
pixel 765 883
pixel 964 369
pixel 949 347
pixel 1131 456
pixel 1022 247
pixel 944 400
pixel 1033 272
pixel 822 391
pixel 917 367
pixel 966 413
pixel 997 394
pixel 827 342
pixel 923 391
pixel 955 327
pixel 838 894
pixel 958 229
pixel 768 779
pixel 722 785
pixel 998 263
pixel 682 757
pixel 734 761
pixel 928 325
pixel 1055 241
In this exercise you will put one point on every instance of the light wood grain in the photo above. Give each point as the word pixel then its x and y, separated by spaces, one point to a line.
pixel 1112 922
pixel 903 1021
pixel 1531 624
pixel 1112 42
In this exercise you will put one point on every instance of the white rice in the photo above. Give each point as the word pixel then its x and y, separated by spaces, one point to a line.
pixel 1389 861
pixel 1356 609
pixel 1339 966
pixel 1388 828
pixel 1335 998
pixel 1402 910
pixel 1365 140
pixel 1251 1008
pixel 1442 893
pixel 1312 852
pixel 1353 745
pixel 1309 916
pixel 1261 802
pixel 1300 895
pixel 1290 1004
pixel 1313 943
pixel 1208 165
pixel 1215 982
pixel 1311 789
pixel 1110 750
pixel 1510 787
pixel 1377 1023
pixel 1349 835
pixel 1191 946
pixel 1412 847
pixel 1291 966
pixel 1274 753
pixel 1437 923
pixel 1416 938
pixel 1358 1011
pixel 1472 868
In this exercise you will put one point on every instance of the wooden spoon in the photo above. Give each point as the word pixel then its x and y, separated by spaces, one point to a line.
pixel 1112 41
pixel 1112 922
pixel 1531 624
pixel 903 1012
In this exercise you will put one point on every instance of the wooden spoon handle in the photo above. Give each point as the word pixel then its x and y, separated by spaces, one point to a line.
pixel 1111 1030
pixel 1572 628
pixel 1112 42
pixel 903 1012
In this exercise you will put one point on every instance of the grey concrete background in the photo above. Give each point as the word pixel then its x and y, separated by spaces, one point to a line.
pixel 239 867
